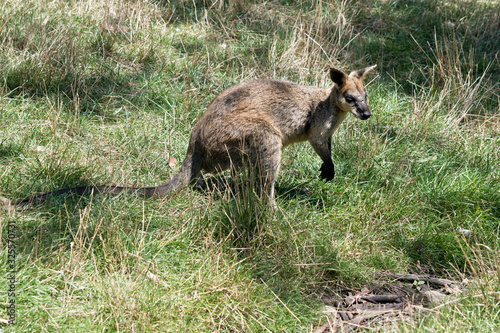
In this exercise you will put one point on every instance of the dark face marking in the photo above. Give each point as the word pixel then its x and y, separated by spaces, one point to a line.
pixel 349 99
pixel 359 104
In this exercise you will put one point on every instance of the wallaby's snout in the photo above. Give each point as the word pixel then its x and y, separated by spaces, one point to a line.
pixel 365 115
pixel 362 110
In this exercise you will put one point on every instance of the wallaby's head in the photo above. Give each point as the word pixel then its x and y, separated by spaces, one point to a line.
pixel 350 94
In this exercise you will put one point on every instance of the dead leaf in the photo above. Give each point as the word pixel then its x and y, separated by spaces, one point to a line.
pixel 6 203
pixel 453 289
pixel 40 148
pixel 152 277
pixel 172 162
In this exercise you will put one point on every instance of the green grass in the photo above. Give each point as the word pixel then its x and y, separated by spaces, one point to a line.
pixel 95 93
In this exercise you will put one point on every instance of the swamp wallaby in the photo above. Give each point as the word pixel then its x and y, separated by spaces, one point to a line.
pixel 250 123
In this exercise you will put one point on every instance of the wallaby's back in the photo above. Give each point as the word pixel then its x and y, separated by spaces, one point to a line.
pixel 285 106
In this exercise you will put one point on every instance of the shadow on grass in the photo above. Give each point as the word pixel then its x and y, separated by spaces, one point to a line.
pixel 10 150
pixel 89 94
pixel 221 183
pixel 78 67
pixel 399 35
pixel 396 35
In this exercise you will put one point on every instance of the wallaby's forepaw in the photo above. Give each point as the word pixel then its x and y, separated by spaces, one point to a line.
pixel 327 172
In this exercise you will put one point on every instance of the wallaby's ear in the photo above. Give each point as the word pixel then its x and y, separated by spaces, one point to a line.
pixel 361 73
pixel 338 76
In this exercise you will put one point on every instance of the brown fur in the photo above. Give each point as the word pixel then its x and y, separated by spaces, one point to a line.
pixel 250 123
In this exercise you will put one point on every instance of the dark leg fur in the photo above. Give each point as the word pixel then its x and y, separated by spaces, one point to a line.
pixel 327 171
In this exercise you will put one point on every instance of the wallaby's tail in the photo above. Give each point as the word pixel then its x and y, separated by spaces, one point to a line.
pixel 73 190
pixel 179 181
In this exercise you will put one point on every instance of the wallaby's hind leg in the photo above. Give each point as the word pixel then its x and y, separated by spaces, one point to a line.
pixel 260 164
pixel 242 142
pixel 266 158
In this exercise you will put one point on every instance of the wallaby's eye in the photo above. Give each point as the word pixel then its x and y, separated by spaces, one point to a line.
pixel 349 99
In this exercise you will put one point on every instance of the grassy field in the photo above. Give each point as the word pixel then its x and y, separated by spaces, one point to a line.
pixel 106 92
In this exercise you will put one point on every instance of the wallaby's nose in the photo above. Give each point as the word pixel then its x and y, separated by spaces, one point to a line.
pixel 363 112
pixel 364 116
